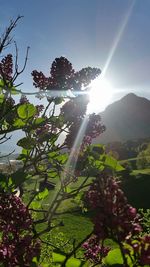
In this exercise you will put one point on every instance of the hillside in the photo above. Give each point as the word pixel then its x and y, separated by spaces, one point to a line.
pixel 126 119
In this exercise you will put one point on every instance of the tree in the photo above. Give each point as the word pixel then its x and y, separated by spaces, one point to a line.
pixel 143 158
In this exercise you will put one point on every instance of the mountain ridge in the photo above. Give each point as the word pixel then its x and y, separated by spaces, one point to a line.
pixel 126 119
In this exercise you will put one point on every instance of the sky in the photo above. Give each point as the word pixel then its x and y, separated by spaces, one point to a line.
pixel 113 35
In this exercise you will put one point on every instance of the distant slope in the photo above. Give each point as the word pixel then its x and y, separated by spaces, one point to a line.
pixel 126 119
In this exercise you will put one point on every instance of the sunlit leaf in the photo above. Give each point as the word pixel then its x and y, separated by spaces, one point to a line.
pixel 72 262
pixel 43 194
pixel 19 123
pixel 26 111
pixel 39 121
pixel 63 158
pixel 112 163
pixel 114 258
pixel 58 258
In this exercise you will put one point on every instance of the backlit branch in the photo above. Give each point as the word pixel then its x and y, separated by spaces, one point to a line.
pixel 6 40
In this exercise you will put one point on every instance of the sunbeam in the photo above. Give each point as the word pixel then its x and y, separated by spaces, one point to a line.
pixel 71 163
pixel 118 38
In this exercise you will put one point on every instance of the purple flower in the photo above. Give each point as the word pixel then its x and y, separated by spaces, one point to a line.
pixel 17 246
pixel 94 251
pixel 6 68
pixel 24 100
pixel 113 216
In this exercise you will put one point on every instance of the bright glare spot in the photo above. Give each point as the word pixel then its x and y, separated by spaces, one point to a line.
pixel 100 95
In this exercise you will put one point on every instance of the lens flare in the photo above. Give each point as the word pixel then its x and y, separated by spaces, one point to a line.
pixel 100 95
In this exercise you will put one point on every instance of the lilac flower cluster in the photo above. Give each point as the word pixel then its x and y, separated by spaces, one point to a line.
pixel 41 131
pixel 6 68
pixel 17 246
pixel 61 74
pixel 114 217
pixel 40 80
pixel 94 251
pixel 64 77
pixel 93 129
pixel 39 109
pixel 75 109
pixel 24 100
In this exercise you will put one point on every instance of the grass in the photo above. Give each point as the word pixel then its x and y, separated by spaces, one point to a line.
pixel 76 225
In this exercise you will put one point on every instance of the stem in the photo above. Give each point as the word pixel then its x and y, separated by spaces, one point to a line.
pixel 123 255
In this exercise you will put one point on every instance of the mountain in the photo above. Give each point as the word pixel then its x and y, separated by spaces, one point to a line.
pixel 126 119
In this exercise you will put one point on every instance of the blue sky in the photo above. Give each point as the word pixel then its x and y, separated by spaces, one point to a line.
pixel 85 31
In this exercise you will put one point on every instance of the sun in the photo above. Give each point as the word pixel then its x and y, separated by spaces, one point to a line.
pixel 100 95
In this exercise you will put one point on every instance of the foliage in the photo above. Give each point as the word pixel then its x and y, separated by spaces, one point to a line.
pixel 145 214
pixel 32 197
pixel 143 158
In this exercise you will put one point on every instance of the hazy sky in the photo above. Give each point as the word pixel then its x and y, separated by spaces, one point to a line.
pixel 87 32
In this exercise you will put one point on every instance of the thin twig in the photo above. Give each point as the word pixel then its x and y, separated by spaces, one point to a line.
pixel 5 156
pixel 6 39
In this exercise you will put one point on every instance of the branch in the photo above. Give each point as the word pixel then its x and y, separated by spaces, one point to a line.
pixel 6 39
pixel 5 156
pixel 6 139
pixel 17 72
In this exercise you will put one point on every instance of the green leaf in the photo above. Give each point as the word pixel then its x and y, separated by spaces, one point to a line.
pixel 1 98
pixel 14 91
pixel 110 162
pixel 119 167
pixel 18 178
pixel 58 100
pixel 58 258
pixel 39 121
pixel 3 182
pixel 19 123
pixel 25 151
pixel 114 257
pixel 35 205
pixel 63 158
pixel 2 83
pixel 26 142
pixel 68 189
pixel 113 163
pixel 99 165
pixel 46 265
pixel 43 194
pixel 72 262
pixel 26 111
pixel 98 148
